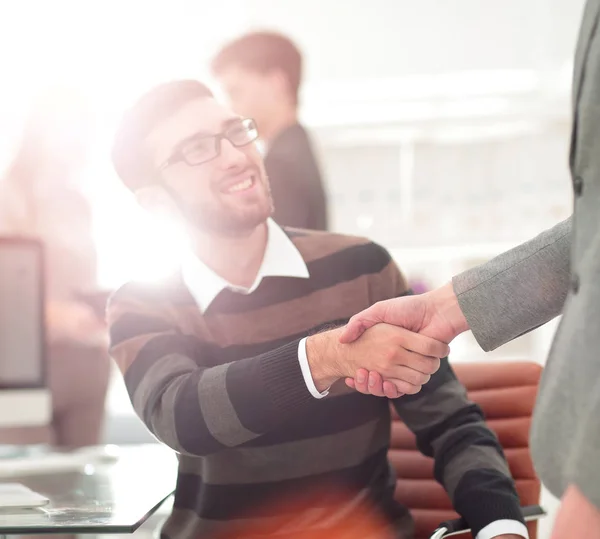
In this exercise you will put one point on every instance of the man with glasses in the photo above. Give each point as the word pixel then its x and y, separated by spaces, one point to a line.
pixel 234 364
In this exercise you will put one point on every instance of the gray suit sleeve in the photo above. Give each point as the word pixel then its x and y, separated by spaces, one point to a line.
pixel 518 290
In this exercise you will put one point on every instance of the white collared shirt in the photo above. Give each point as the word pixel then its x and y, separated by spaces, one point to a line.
pixel 282 259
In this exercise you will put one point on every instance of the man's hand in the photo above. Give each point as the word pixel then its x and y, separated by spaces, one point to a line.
pixel 435 314
pixel 404 358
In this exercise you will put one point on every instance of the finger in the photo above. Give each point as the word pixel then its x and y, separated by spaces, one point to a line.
pixel 404 387
pixel 362 321
pixel 379 388
pixel 421 344
pixel 409 375
pixel 354 329
pixel 382 387
pixel 417 362
pixel 390 390
pixel 361 381
pixel 376 384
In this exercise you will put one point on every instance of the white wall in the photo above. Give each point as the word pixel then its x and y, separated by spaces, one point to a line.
pixel 382 38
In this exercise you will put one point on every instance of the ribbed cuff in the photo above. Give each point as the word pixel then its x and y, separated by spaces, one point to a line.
pixel 483 497
pixel 283 377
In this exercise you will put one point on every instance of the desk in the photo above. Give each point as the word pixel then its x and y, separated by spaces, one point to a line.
pixel 96 497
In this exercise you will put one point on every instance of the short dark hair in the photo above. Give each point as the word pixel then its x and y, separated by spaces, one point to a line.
pixel 129 155
pixel 263 52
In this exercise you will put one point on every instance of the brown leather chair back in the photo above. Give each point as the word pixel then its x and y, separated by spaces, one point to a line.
pixel 506 391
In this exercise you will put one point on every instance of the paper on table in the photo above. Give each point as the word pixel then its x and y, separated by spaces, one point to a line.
pixel 18 496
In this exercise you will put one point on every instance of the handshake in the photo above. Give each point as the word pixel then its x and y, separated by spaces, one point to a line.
pixel 390 349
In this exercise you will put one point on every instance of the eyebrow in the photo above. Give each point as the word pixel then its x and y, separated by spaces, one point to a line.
pixel 224 125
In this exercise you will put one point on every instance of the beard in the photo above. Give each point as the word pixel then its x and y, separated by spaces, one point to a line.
pixel 218 218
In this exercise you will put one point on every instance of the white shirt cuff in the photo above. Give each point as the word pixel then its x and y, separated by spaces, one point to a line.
pixel 503 527
pixel 305 367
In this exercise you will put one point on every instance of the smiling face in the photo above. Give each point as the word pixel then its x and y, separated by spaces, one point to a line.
pixel 220 185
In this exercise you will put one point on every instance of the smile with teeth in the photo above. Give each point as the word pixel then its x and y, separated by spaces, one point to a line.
pixel 241 186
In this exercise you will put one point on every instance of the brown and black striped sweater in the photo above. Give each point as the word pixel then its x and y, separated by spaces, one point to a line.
pixel 258 455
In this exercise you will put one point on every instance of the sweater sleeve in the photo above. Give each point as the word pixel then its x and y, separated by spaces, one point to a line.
pixel 185 400
pixel 468 459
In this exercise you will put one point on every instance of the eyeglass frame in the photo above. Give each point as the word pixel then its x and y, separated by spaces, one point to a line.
pixel 178 155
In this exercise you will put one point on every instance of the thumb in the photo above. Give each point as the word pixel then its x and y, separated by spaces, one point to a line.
pixel 362 321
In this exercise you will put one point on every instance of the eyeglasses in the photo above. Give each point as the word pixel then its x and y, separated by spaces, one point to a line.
pixel 200 149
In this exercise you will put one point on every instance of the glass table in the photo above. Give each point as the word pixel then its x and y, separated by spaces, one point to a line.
pixel 92 493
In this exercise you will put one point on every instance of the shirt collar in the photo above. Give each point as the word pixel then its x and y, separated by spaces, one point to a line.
pixel 281 259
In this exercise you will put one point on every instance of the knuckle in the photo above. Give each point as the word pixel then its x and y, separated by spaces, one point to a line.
pixel 404 387
pixel 430 366
pixel 400 386
pixel 363 385
pixel 411 376
pixel 435 365
pixel 385 371
pixel 423 379
pixel 413 390
pixel 389 357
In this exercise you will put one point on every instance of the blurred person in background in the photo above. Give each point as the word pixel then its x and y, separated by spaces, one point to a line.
pixel 40 196
pixel 261 73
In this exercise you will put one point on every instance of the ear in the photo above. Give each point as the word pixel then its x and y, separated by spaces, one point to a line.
pixel 156 200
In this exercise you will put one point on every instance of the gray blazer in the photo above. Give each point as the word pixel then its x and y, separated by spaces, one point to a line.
pixel 558 272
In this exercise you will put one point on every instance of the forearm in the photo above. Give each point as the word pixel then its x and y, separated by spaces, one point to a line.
pixel 469 462
pixel 518 290
pixel 199 411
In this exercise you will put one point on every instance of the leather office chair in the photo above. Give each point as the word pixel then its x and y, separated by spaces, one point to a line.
pixel 506 392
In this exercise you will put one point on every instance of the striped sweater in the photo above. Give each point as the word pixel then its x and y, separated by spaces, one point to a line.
pixel 258 455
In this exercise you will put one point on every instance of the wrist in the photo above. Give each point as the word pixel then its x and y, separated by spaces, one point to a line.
pixel 321 355
pixel 448 308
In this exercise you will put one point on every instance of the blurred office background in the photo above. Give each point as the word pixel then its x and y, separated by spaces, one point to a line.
pixel 442 125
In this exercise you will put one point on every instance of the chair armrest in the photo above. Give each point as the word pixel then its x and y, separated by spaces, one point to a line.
pixel 458 526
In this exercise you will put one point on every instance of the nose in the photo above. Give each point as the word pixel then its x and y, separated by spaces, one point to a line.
pixel 231 156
